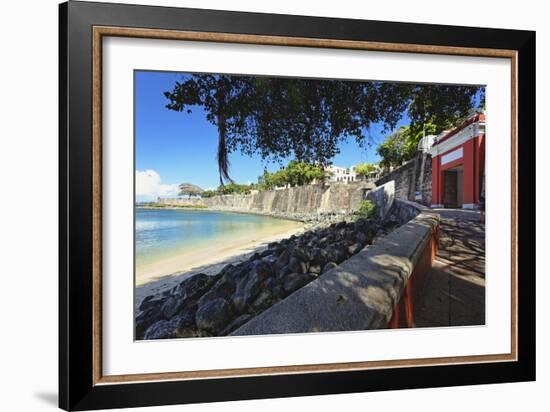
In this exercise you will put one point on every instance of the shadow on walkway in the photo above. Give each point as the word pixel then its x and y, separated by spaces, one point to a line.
pixel 453 293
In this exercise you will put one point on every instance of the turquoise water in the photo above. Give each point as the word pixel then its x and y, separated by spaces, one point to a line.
pixel 164 233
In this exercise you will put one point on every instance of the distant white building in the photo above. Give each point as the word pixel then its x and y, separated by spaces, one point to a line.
pixel 348 174
pixel 342 174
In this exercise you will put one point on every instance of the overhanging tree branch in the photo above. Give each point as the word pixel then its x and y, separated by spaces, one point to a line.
pixel 307 119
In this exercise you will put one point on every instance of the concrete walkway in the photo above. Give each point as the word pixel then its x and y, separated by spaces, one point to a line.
pixel 453 293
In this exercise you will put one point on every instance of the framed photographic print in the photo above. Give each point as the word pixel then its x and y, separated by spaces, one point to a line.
pixel 257 205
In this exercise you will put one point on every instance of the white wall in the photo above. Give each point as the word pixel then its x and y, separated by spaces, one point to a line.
pixel 28 168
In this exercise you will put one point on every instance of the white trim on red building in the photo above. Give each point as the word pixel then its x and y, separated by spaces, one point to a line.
pixel 458 159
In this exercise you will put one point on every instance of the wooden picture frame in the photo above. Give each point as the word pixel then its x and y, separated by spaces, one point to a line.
pixel 82 385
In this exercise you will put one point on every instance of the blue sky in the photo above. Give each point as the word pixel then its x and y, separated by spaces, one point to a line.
pixel 173 147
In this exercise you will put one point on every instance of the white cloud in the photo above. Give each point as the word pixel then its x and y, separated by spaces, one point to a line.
pixel 149 186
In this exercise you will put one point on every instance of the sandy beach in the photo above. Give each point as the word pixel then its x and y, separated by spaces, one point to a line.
pixel 158 276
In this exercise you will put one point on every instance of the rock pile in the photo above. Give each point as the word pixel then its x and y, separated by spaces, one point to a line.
pixel 205 305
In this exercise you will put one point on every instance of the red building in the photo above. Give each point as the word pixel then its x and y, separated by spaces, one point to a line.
pixel 458 165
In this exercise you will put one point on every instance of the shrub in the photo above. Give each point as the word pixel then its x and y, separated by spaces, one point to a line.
pixel 209 193
pixel 367 209
pixel 294 174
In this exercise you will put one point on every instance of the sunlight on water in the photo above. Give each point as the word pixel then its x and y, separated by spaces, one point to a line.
pixel 161 234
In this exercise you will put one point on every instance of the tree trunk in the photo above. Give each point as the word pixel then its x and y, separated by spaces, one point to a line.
pixel 223 160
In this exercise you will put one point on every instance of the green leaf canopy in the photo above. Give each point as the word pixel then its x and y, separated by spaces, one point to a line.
pixel 307 119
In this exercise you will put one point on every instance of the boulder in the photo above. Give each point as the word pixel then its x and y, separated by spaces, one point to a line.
pixel 329 266
pixel 315 269
pixel 194 286
pixel 263 269
pixel 301 254
pixel 354 248
pixel 186 326
pixel 150 301
pixel 295 281
pixel 340 252
pixel 361 238
pixel 163 329
pixel 145 319
pixel 246 291
pixel 267 252
pixel 263 300
pixel 282 260
pixel 318 257
pixel 285 270
pixel 224 288
pixel 235 323
pixel 236 273
pixel 297 265
pixel 171 306
pixel 254 257
pixel 333 254
pixel 350 235
pixel 228 272
pixel 361 224
pixel 213 316
pixel 339 225
pixel 278 292
pixel 270 261
pixel 181 326
pixel 324 241
pixel 191 332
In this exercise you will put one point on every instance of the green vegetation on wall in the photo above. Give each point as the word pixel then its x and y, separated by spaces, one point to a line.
pixel 367 209
pixel 366 169
pixel 402 145
pixel 235 189
pixel 295 174
pixel 229 189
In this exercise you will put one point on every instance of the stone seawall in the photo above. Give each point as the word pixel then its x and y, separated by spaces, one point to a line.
pixel 412 177
pixel 338 198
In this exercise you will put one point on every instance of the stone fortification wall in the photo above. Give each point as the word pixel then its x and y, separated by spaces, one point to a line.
pixel 329 198
pixel 408 180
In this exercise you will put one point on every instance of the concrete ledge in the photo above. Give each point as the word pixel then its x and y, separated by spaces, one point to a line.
pixel 359 294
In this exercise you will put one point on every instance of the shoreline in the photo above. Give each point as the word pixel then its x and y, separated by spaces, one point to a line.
pixel 159 276
pixel 274 215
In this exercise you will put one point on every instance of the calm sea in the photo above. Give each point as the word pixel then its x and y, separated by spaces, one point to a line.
pixel 161 234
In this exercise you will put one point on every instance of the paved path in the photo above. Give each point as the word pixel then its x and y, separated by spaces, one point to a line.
pixel 454 290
